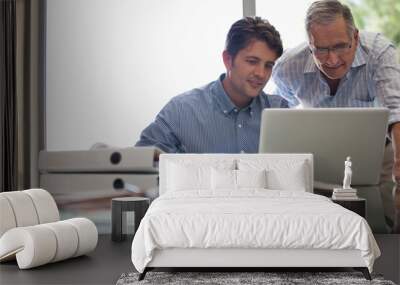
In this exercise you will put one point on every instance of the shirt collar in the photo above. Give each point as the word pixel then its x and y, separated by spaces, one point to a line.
pixel 222 99
pixel 253 103
pixel 310 66
pixel 360 58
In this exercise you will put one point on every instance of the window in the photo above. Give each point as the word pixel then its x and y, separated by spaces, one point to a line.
pixel 278 14
pixel 287 16
pixel 112 65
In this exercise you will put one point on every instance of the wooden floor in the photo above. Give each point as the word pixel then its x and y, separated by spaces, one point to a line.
pixel 110 260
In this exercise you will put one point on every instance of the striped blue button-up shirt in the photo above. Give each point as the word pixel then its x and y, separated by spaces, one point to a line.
pixel 205 120
pixel 373 79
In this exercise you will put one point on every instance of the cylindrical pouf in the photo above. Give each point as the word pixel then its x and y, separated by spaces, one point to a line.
pixel 7 218
pixel 34 246
pixel 67 239
pixel 23 208
pixel 45 205
pixel 87 235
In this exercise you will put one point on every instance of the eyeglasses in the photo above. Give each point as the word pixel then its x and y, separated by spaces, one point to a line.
pixel 323 52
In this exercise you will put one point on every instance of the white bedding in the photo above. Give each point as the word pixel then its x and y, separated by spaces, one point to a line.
pixel 250 218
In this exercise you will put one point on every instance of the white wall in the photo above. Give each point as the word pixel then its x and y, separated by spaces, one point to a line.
pixel 111 65
pixel 287 16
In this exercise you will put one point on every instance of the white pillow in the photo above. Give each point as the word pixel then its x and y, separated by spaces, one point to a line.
pixel 227 179
pixel 184 177
pixel 223 179
pixel 292 179
pixel 251 178
pixel 280 174
pixel 189 174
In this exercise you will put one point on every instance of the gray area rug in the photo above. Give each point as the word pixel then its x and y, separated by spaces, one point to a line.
pixel 229 278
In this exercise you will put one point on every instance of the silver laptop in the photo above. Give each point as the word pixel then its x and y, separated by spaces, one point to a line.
pixel 331 134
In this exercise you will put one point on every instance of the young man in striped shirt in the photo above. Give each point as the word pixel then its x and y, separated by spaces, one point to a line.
pixel 224 115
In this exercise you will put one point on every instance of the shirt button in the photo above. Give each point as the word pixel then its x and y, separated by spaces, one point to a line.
pixel 240 125
pixel 225 111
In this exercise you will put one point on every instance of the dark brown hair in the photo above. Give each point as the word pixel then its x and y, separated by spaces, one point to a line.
pixel 249 29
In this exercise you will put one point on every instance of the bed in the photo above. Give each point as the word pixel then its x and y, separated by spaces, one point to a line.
pixel 247 210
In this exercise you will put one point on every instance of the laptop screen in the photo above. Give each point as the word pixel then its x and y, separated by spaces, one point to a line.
pixel 331 135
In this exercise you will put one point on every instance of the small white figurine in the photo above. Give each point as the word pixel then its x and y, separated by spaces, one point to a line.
pixel 347 173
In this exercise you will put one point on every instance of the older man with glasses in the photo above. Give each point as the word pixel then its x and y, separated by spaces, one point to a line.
pixel 342 67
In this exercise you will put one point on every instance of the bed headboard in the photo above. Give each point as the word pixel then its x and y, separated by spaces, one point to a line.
pixel 270 158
